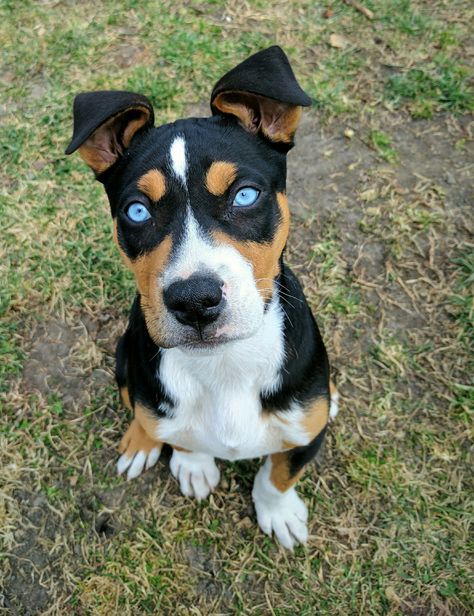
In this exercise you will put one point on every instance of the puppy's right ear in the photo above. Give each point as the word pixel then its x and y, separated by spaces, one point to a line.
pixel 105 123
pixel 263 95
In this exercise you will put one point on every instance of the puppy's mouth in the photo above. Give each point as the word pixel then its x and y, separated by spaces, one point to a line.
pixel 202 338
pixel 205 345
pixel 207 339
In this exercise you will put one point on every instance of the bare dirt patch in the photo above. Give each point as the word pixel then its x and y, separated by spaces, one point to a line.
pixel 70 361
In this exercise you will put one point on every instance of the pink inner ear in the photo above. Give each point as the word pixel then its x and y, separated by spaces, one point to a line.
pixel 273 114
pixel 277 120
pixel 105 142
pixel 257 118
pixel 109 141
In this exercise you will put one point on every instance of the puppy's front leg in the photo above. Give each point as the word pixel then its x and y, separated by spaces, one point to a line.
pixel 139 448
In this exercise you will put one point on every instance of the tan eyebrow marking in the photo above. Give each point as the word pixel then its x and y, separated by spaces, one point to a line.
pixel 220 176
pixel 153 184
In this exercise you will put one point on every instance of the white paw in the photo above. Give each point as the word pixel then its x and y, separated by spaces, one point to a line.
pixel 334 407
pixel 137 462
pixel 287 519
pixel 197 473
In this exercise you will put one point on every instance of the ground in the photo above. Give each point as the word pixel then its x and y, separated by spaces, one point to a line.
pixel 380 184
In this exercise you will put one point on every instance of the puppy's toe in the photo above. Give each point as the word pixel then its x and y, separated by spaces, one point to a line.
pixel 139 451
pixel 196 473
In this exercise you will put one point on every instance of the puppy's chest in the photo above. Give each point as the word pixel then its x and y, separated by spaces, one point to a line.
pixel 225 423
pixel 217 406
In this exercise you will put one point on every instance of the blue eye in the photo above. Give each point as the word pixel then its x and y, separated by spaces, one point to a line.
pixel 246 196
pixel 137 212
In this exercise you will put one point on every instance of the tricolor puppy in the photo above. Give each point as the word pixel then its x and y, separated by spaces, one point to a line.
pixel 222 357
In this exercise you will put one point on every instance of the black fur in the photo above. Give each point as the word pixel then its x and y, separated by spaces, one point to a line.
pixel 267 73
pixel 137 364
pixel 305 374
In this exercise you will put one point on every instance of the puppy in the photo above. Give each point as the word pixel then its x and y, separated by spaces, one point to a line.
pixel 222 357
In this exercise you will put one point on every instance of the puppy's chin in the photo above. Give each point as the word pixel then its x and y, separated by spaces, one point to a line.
pixel 213 346
pixel 211 340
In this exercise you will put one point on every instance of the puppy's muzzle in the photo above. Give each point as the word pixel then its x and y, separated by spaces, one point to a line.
pixel 197 300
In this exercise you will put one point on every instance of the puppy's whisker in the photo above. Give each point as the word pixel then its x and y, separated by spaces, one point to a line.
pixel 280 288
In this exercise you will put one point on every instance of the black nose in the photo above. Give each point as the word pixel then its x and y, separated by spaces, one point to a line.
pixel 195 301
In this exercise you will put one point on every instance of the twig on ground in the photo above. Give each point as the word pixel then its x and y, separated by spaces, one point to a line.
pixel 360 7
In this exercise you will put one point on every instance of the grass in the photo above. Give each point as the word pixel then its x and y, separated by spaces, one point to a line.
pixel 383 145
pixel 387 267
pixel 443 85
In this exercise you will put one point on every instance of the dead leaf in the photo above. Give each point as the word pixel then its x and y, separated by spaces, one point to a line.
pixel 369 195
pixel 338 41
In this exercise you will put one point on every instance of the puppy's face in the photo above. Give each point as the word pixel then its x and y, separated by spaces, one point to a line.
pixel 199 206
pixel 201 217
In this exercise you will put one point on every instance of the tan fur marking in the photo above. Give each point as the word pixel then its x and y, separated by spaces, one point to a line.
pixel 147 420
pixel 316 417
pixel 280 473
pixel 149 266
pixel 332 389
pixel 140 435
pixel 153 184
pixel 264 257
pixel 241 110
pixel 134 125
pixel 147 270
pixel 220 176
pixel 126 398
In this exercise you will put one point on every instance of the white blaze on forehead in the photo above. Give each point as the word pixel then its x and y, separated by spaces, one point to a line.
pixel 178 158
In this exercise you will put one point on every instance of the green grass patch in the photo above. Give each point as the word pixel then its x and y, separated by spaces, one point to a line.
pixel 462 304
pixel 444 85
pixel 383 144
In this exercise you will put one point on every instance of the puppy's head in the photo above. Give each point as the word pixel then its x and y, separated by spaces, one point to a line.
pixel 199 206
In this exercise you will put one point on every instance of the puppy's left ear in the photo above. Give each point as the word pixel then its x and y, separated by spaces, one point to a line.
pixel 263 94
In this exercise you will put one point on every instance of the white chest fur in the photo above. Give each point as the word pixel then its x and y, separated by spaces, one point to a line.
pixel 217 395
